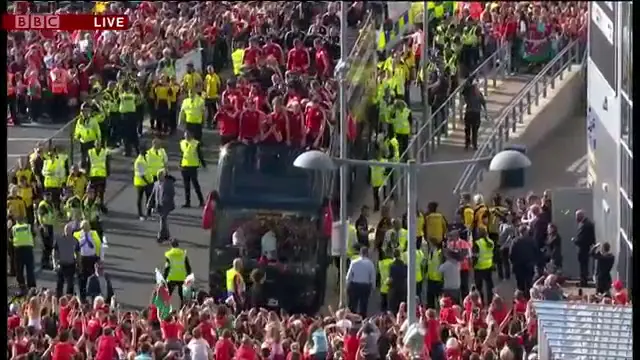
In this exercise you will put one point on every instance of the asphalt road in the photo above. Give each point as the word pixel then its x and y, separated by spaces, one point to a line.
pixel 21 140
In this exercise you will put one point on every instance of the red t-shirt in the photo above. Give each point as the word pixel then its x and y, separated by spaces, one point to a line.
pixel 246 353
pixel 433 333
pixel 93 328
pixel 227 124
pixel 296 127
pixel 63 351
pixel 250 124
pixel 277 121
pixel 64 316
pixel 499 315
pixel 520 306
pixel 223 349
pixel 323 63
pixel 298 60
pixel 448 316
pixel 351 345
pixel 208 333
pixel 274 50
pixel 251 56
pixel 314 119
pixel 106 348
pixel 170 330
pixel 13 322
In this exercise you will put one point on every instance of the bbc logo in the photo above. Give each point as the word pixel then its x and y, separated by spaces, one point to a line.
pixel 28 22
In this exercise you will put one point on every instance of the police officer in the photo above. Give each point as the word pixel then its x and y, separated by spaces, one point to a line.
pixel 176 268
pixel 143 182
pixel 401 119
pixel 192 160
pixel 22 240
pixel 98 169
pixel 128 119
pixel 192 113
pixel 73 205
pixel 112 132
pixel 50 173
pixel 435 280
pixel 475 103
pixel 46 221
pixel 377 181
pixel 482 249
pixel 156 158
pixel 235 284
pixel 87 131
pixel 89 248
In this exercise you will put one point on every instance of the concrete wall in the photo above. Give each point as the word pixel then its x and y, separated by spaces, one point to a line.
pixel 561 103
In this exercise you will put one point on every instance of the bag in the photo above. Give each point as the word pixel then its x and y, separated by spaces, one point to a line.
pixel 207 213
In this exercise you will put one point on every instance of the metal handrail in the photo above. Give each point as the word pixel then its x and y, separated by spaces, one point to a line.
pixel 513 114
pixel 497 64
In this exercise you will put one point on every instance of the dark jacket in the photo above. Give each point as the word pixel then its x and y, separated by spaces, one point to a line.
pixel 524 253
pixel 93 287
pixel 398 276
pixel 603 264
pixel 164 193
pixel 539 230
pixel 553 249
pixel 585 236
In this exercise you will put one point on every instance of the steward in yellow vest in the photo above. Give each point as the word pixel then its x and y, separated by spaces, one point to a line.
pixel 176 268
pixel 143 182
pixel 46 220
pixel 22 242
pixel 129 118
pixel 435 280
pixel 192 113
pixel 483 263
pixel 235 284
pixel 353 248
pixel 99 171
pixel 87 131
pixel 436 224
pixel 420 267
pixel 401 119
pixel 466 211
pixel 384 267
pixel 378 177
pixel 192 159
pixel 156 159
pixel 77 181
pixel 237 59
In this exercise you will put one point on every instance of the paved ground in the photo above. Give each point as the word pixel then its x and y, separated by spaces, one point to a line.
pixel 22 139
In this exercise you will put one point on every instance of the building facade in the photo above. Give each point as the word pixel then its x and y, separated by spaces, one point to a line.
pixel 610 128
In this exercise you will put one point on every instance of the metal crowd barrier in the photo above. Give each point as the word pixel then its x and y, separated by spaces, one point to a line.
pixel 521 105
pixel 427 138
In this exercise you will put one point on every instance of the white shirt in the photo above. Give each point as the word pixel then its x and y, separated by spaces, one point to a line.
pixel 362 271
pixel 237 238
pixel 268 243
pixel 199 348
pixel 87 248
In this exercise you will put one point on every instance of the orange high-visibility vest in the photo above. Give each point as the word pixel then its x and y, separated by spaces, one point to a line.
pixel 58 81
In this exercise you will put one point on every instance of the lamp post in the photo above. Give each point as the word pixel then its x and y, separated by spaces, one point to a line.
pixel 319 160
pixel 341 72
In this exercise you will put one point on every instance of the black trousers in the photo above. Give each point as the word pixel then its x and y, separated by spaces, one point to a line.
pixel 84 152
pixel 172 285
pixel 195 130
pixel 464 282
pixel 484 278
pixel 13 108
pixel 46 234
pixel 59 108
pixel 471 127
pixel 583 261
pixel 114 132
pixel 376 197
pixel 434 290
pixel 524 279
pixel 66 274
pixel 87 267
pixel 403 143
pixel 212 109
pixel 99 185
pixel 12 259
pixel 394 298
pixel 34 108
pixel 358 297
pixel 190 177
pixel 25 264
pixel 162 114
pixel 454 294
pixel 384 302
pixel 143 192
pixel 129 126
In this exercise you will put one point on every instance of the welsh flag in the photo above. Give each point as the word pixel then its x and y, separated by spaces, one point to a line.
pixel 161 298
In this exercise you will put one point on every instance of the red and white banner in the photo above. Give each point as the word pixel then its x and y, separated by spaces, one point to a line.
pixel 67 22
